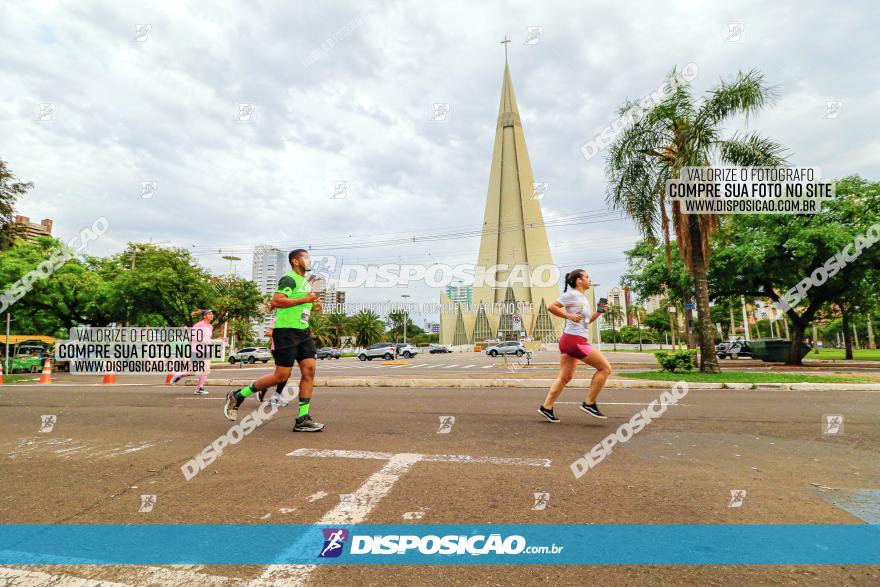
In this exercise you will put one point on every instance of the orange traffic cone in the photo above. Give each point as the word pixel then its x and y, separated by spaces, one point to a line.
pixel 1 373
pixel 109 379
pixel 169 378
pixel 46 376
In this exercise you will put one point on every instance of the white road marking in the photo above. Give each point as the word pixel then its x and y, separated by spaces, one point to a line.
pixel 487 366
pixel 354 508
pixel 135 575
pixel 80 385
pixel 621 403
pixel 451 366
pixel 317 496
pixel 66 447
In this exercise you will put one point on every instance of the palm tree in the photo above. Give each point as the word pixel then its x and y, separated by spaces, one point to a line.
pixel 614 313
pixel 678 132
pixel 638 313
pixel 339 325
pixel 319 326
pixel 367 327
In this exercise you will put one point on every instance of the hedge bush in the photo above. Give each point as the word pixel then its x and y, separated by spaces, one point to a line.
pixel 673 361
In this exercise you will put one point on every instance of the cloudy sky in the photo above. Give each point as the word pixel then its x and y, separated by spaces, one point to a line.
pixel 100 97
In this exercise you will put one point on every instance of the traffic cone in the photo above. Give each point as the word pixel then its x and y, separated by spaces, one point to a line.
pixel 109 379
pixel 46 376
pixel 169 378
pixel 1 373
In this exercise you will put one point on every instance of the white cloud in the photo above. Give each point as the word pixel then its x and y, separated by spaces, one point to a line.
pixel 164 110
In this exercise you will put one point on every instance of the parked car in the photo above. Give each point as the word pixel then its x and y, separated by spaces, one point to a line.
pixel 407 350
pixel 251 355
pixel 513 347
pixel 329 353
pixel 734 349
pixel 379 350
pixel 439 348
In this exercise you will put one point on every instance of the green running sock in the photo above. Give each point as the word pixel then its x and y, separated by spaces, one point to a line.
pixel 304 407
pixel 249 390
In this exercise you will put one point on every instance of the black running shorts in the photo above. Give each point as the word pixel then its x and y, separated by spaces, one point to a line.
pixel 293 344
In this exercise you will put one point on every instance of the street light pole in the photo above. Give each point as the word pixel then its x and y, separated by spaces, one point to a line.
pixel 404 296
pixel 8 320
pixel 232 259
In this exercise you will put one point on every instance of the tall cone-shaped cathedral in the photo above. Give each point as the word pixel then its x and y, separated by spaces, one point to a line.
pixel 515 279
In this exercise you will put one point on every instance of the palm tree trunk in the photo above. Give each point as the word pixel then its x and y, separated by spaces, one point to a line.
pixel 708 360
pixel 664 219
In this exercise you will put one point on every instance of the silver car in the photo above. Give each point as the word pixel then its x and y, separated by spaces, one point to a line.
pixel 513 347
pixel 251 355
pixel 384 350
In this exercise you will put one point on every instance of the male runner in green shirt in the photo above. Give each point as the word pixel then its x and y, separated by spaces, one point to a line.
pixel 293 340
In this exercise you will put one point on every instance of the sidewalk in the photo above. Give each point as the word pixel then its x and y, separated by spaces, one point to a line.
pixel 510 382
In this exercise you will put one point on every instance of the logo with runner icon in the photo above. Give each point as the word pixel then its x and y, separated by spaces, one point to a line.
pixel 334 541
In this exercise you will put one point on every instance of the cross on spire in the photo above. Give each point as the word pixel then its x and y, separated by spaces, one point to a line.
pixel 505 42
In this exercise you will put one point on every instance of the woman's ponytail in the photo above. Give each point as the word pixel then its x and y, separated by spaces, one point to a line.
pixel 572 277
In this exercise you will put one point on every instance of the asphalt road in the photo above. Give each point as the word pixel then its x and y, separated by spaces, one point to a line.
pixel 110 445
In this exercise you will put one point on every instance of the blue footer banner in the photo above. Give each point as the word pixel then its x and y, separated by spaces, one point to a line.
pixel 420 544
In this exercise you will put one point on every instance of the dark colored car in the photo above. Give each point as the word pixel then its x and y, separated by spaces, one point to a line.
pixel 329 353
pixel 439 348
pixel 734 349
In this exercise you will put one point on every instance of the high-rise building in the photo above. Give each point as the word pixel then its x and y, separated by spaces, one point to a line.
pixel 30 231
pixel 268 267
pixel 617 297
pixel 509 304
pixel 653 303
pixel 331 298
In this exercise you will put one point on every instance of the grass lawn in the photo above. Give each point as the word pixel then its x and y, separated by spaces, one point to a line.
pixel 839 355
pixel 20 377
pixel 744 377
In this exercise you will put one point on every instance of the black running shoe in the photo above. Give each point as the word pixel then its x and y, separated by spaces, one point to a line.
pixel 547 414
pixel 593 410
pixel 230 410
pixel 307 424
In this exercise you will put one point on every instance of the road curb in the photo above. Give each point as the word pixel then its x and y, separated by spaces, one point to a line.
pixel 507 382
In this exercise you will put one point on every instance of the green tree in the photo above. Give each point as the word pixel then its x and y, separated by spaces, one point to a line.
pixel 338 325
pixel 367 328
pixel 52 304
pixel 320 328
pixel 235 298
pixel 151 286
pixel 766 255
pixel 10 191
pixel 675 133
pixel 613 315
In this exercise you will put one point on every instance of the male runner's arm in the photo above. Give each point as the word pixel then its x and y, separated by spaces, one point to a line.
pixel 280 300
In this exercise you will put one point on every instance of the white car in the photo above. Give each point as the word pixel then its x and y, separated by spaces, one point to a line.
pixel 251 355
pixel 513 347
